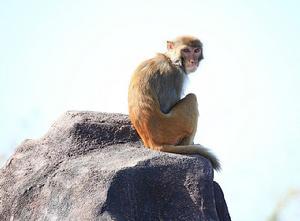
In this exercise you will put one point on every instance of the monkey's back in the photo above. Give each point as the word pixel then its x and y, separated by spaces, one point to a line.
pixel 156 84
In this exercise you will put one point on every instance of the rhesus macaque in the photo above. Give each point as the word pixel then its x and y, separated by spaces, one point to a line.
pixel 163 120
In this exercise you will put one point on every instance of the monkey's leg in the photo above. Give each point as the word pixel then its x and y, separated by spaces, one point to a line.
pixel 177 127
pixel 187 110
pixel 189 139
pixel 176 131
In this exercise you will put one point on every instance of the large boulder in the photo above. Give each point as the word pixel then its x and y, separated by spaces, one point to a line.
pixel 92 166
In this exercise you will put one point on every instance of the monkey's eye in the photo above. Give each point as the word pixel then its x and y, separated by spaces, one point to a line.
pixel 197 50
pixel 186 50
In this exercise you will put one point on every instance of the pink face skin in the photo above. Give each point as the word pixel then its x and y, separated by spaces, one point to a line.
pixel 191 58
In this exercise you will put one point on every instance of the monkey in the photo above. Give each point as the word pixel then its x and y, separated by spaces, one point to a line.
pixel 163 120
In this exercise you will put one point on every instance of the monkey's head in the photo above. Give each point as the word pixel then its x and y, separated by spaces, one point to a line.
pixel 186 51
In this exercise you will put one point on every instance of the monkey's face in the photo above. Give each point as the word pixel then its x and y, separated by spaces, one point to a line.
pixel 191 57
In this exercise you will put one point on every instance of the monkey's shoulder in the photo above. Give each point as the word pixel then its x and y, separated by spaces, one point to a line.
pixel 160 64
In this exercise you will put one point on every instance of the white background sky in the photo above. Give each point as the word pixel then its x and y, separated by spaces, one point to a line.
pixel 79 55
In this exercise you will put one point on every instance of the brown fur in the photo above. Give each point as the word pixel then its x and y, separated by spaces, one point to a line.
pixel 163 120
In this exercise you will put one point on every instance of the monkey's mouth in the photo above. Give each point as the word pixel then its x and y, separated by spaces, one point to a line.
pixel 191 68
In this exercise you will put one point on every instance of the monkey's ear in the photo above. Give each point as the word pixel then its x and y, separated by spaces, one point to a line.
pixel 170 45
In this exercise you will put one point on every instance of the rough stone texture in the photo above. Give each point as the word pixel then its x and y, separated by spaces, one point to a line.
pixel 92 166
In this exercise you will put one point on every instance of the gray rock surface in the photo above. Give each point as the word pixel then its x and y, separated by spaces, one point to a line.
pixel 92 166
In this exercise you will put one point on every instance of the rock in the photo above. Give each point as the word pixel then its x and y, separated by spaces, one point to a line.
pixel 92 166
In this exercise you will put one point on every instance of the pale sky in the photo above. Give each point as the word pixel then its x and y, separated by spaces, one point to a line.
pixel 79 55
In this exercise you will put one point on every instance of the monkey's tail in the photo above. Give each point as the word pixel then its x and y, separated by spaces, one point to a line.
pixel 193 149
